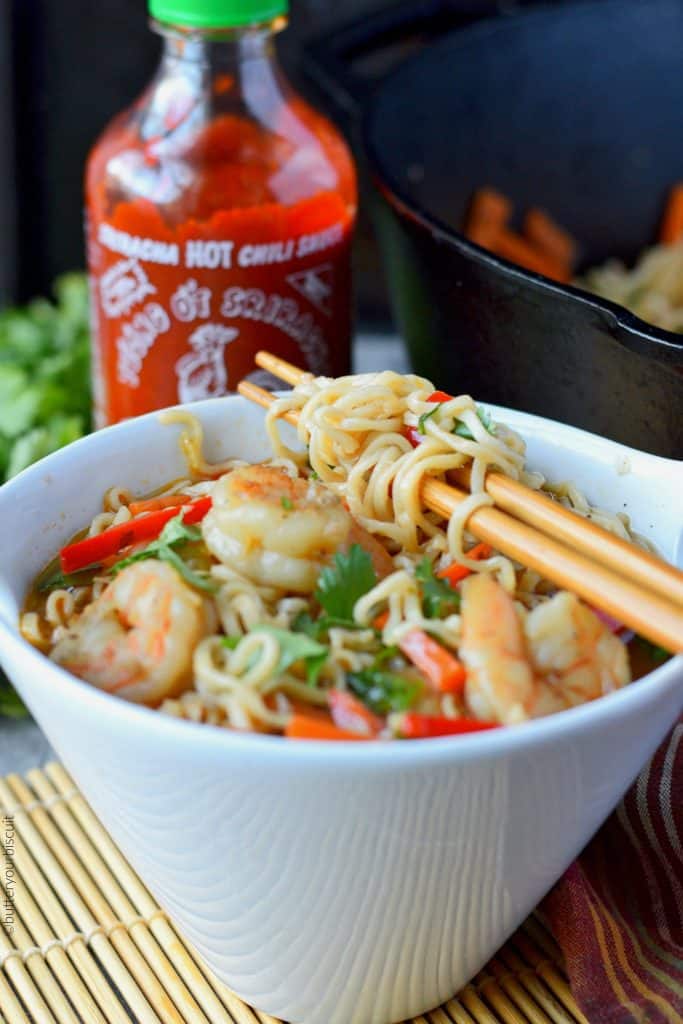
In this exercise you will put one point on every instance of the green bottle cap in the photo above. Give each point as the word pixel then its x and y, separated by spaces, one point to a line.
pixel 216 13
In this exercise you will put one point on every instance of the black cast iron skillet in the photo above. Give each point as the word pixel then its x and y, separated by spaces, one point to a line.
pixel 577 108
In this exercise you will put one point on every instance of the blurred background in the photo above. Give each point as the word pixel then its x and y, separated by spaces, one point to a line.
pixel 66 67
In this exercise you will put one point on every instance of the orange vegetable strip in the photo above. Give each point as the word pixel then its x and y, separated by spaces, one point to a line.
pixel 309 725
pixel 672 223
pixel 549 238
pixel 455 572
pixel 441 668
pixel 381 620
pixel 349 713
pixel 137 508
pixel 488 215
pixel 516 249
pixel 419 727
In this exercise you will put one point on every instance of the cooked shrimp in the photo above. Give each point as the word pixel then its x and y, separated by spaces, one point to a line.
pixel 557 656
pixel 138 637
pixel 500 683
pixel 575 653
pixel 279 530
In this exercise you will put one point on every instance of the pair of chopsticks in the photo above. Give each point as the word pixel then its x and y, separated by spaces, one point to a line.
pixel 633 586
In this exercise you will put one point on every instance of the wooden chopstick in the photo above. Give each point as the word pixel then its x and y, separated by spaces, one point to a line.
pixel 559 523
pixel 648 613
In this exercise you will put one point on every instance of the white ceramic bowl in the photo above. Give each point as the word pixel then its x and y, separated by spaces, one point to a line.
pixel 335 883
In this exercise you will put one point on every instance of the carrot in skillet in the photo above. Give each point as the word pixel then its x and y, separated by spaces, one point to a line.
pixel 672 223
pixel 154 504
pixel 516 249
pixel 549 238
pixel 442 669
pixel 316 725
pixel 489 213
pixel 455 573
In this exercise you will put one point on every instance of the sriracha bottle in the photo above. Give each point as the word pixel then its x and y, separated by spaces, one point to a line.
pixel 220 209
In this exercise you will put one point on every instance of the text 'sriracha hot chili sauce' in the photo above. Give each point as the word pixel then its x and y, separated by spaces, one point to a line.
pixel 220 210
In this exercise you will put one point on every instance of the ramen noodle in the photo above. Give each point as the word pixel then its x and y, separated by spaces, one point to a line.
pixel 312 595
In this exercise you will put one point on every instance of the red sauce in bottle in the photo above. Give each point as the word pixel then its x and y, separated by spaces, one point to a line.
pixel 220 211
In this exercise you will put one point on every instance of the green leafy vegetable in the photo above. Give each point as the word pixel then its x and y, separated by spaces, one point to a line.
pixel 341 585
pixel 59 579
pixel 174 533
pixel 297 647
pixel 11 704
pixel 286 503
pixel 462 430
pixel 44 375
pixel 231 642
pixel 383 691
pixel 425 416
pixel 439 599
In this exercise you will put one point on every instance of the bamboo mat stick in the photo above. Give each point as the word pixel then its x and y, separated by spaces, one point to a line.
pixel 119 874
pixel 521 973
pixel 48 924
pixel 131 939
pixel 469 997
pixel 55 956
pixel 23 983
pixel 642 610
pixel 63 900
pixel 527 992
pixel 548 973
pixel 489 989
pixel 39 970
pixel 9 1004
pixel 458 1013
pixel 541 512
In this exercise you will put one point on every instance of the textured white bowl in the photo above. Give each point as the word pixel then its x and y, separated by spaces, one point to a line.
pixel 335 883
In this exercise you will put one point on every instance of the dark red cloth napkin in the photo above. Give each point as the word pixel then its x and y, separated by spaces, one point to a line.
pixel 617 913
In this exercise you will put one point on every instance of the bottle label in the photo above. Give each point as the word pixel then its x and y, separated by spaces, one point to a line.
pixel 178 316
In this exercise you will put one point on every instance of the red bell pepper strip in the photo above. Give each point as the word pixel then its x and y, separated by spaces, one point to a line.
pixel 93 550
pixel 137 508
pixel 455 573
pixel 412 433
pixel 445 673
pixel 348 712
pixel 414 726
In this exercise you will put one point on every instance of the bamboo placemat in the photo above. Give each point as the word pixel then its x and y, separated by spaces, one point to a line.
pixel 83 942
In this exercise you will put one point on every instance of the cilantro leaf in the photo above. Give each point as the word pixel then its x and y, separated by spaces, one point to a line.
pixel 462 430
pixel 297 647
pixel 439 599
pixel 230 642
pixel 425 416
pixel 341 585
pixel 175 532
pixel 383 692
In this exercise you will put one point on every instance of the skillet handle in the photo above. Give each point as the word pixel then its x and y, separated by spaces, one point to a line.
pixel 346 64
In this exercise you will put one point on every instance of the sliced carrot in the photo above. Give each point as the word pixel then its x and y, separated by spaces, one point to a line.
pixel 349 713
pixel 672 223
pixel 154 504
pixel 315 725
pixel 516 249
pixel 488 215
pixel 549 238
pixel 381 620
pixel 456 572
pixel 439 666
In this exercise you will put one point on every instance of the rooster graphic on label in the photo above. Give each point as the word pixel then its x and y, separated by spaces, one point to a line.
pixel 202 373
